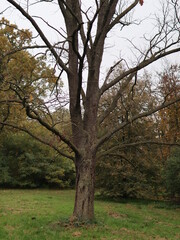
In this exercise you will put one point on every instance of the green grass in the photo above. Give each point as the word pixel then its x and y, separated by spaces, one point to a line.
pixel 43 214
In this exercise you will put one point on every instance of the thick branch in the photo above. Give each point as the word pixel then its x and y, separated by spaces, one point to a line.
pixel 118 156
pixel 37 138
pixel 136 117
pixel 50 128
pixel 24 48
pixel 115 99
pixel 140 66
pixel 121 15
pixel 134 144
pixel 107 10
pixel 36 116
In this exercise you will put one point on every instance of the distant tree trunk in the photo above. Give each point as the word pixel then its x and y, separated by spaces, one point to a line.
pixel 84 199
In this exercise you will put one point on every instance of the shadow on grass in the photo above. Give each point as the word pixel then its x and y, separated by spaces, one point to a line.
pixel 159 204
pixel 69 224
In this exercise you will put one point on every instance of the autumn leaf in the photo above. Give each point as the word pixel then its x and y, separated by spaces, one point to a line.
pixel 141 2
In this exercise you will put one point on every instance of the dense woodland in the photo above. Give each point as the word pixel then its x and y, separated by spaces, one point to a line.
pixel 130 164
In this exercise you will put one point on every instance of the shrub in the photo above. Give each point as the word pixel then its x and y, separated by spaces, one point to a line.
pixel 172 173
pixel 26 163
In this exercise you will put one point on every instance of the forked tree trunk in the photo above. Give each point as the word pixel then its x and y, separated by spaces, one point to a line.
pixel 84 199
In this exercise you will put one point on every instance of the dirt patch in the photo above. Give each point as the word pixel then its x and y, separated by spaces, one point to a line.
pixel 9 228
pixel 16 211
pixel 76 234
pixel 117 215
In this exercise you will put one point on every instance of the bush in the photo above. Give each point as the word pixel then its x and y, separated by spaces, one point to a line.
pixel 26 163
pixel 120 179
pixel 172 173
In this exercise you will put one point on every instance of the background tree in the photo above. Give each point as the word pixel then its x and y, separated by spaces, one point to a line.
pixel 172 174
pixel 25 163
pixel 129 165
pixel 25 79
pixel 78 53
pixel 169 87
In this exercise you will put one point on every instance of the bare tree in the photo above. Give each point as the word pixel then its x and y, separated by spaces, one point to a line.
pixel 79 55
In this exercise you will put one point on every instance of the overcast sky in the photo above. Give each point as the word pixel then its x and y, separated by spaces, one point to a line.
pixel 116 45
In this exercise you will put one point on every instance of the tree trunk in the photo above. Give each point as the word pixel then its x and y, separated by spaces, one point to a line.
pixel 84 199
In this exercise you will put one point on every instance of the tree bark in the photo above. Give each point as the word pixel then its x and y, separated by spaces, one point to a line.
pixel 84 198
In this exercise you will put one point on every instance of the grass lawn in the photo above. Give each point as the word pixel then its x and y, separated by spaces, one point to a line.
pixel 43 214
